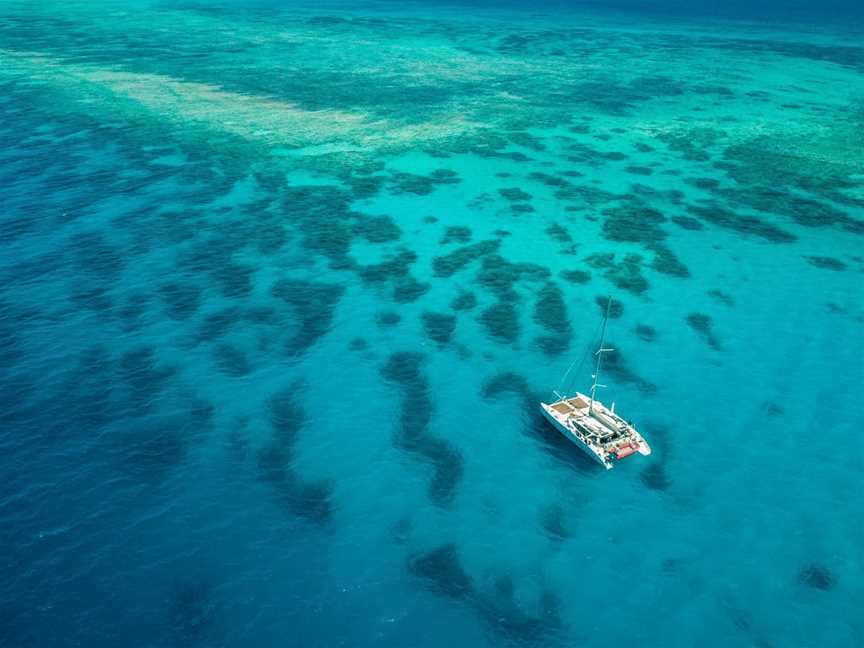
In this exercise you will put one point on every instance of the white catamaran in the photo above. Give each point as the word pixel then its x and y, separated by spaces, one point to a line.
pixel 598 430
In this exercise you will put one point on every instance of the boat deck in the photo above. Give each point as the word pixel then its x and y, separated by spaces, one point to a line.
pixel 570 405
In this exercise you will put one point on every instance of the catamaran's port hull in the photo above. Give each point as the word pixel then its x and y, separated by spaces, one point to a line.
pixel 572 437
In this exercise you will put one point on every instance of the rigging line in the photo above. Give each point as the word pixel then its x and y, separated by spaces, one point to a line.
pixel 585 355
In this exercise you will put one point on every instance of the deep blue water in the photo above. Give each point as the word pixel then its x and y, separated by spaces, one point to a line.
pixel 282 287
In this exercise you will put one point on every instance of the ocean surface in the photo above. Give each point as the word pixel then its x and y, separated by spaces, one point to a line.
pixel 282 286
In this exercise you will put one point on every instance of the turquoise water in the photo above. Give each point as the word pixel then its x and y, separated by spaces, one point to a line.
pixel 282 288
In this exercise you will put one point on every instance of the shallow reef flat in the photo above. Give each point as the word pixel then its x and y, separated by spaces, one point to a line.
pixel 283 287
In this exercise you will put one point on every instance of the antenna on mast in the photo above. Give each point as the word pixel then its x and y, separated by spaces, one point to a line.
pixel 599 353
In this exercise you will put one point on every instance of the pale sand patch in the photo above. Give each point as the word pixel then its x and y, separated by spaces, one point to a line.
pixel 251 117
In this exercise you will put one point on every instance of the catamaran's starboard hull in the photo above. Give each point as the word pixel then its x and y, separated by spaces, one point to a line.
pixel 572 437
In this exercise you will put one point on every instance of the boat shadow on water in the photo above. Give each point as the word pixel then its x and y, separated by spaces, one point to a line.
pixel 535 425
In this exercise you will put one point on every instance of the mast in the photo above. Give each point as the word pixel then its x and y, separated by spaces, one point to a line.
pixel 600 351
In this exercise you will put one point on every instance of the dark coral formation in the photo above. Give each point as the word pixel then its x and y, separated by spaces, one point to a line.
pixel 724 298
pixel 456 234
pixel 453 262
pixel 722 217
pixel 752 162
pixel 501 322
pixel 527 140
pixel 646 332
pixel 216 324
pixel 514 194
pixel 647 192
pixel 687 223
pixel 772 409
pixel 504 615
pixel 232 279
pixel 500 276
pixel 358 344
pixel 654 476
pixel 195 614
pixel 231 361
pixel 550 312
pixel 409 290
pixel 826 262
pixel 420 185
pixel 701 323
pixel 584 195
pixel 182 299
pixel 133 314
pixel 666 262
pixel 322 217
pixel 692 144
pixel 286 415
pixel 507 382
pixel 405 369
pixel 626 274
pixel 636 169
pixel 616 308
pixel 551 180
pixel 817 576
pixel 576 276
pixel 271 237
pixel 559 233
pixel 377 229
pixel 439 327
pixel 616 366
pixel 464 301
pixel 703 183
pixel 275 461
pixel 441 570
pixel 741 619
pixel 388 318
pixel 634 222
pixel 396 265
pixel 313 304
pixel 553 522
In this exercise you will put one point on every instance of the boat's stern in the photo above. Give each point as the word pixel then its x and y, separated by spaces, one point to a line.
pixel 642 445
pixel 634 443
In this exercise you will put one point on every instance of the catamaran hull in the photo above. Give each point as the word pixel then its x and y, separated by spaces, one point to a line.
pixel 573 438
